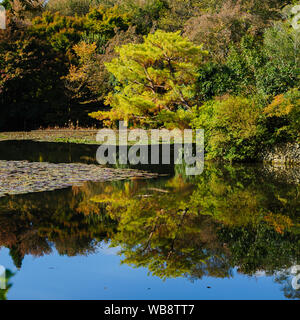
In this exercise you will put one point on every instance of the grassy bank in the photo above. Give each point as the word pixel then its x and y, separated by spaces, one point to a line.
pixel 67 135
pixel 82 136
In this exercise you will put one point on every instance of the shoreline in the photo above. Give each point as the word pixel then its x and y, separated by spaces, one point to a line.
pixel 65 135
pixel 285 154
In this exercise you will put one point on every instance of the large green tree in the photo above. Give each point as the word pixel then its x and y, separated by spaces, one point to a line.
pixel 155 78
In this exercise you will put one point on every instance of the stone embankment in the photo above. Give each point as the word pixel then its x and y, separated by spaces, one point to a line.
pixel 288 153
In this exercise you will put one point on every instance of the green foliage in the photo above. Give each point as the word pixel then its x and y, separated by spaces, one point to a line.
pixel 284 111
pixel 269 68
pixel 166 81
pixel 156 75
pixel 6 4
pixel 245 61
pixel 30 84
pixel 64 32
pixel 144 14
pixel 176 229
pixel 35 61
pixel 106 20
pixel 231 128
pixel 282 49
pixel 214 80
pixel 60 31
pixel 3 292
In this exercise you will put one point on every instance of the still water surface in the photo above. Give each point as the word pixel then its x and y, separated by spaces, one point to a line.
pixel 231 233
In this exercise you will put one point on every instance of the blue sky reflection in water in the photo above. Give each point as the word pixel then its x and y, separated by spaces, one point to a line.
pixel 101 276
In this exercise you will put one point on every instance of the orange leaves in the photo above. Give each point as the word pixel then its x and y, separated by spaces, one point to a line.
pixel 85 51
pixel 280 222
pixel 284 104
pixel 279 107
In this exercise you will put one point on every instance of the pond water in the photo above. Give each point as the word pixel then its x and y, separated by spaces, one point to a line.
pixel 232 232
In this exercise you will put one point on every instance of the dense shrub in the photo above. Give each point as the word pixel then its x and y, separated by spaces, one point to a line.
pixel 285 112
pixel 282 50
pixel 231 128
pixel 215 80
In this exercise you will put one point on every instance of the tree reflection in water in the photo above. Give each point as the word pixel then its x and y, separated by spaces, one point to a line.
pixel 229 217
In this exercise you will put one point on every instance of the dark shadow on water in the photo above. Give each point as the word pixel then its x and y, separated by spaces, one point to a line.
pixel 70 153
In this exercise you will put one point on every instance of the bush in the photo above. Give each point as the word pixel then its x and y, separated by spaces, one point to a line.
pixel 270 67
pixel 231 128
pixel 245 60
pixel 281 72
pixel 285 112
pixel 214 80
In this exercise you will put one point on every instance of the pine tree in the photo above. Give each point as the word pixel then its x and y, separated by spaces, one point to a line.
pixel 154 78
